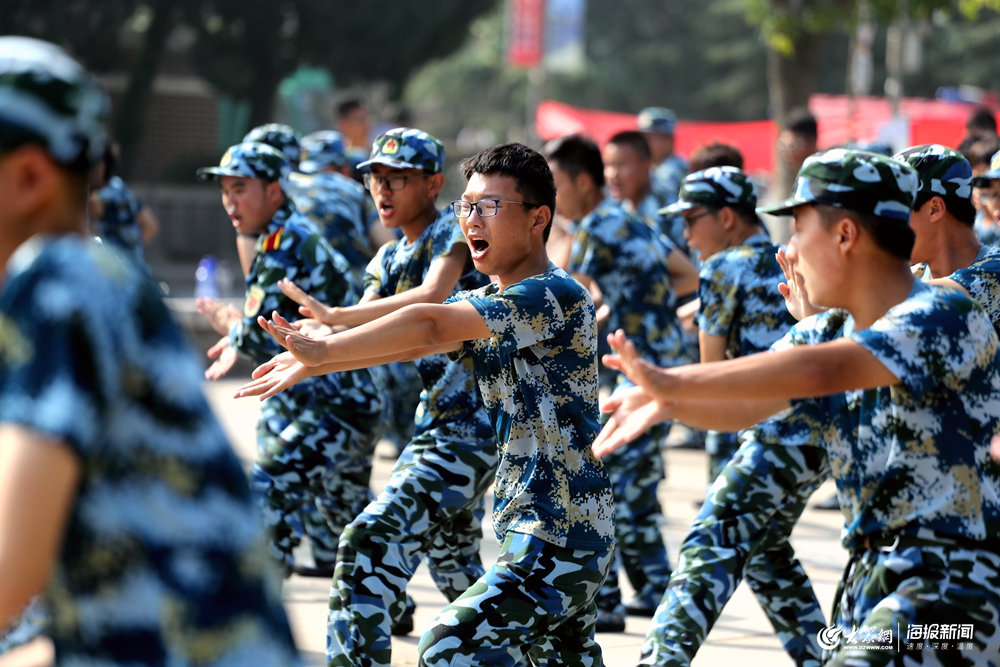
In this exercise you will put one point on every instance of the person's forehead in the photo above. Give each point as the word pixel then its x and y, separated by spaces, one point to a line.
pixel 485 186
pixel 386 170
pixel 693 212
pixel 233 181
pixel 621 151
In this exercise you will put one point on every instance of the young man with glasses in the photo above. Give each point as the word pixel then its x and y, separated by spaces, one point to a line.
pixel 631 264
pixel 532 337
pixel 314 445
pixel 433 503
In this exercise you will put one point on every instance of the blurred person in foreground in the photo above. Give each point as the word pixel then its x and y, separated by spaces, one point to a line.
pixel 121 220
pixel 119 494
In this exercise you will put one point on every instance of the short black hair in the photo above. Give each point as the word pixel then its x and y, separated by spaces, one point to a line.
pixel 576 154
pixel 347 107
pixel 532 176
pixel 983 150
pixel 800 121
pixel 895 237
pixel 982 120
pixel 634 139
pixel 961 207
pixel 716 154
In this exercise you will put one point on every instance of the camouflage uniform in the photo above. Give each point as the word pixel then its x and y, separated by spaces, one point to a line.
pixel 433 502
pixel 917 486
pixel 553 506
pixel 162 559
pixel 988 234
pixel 742 528
pixel 314 442
pixel 118 226
pixel 284 138
pixel 737 286
pixel 628 260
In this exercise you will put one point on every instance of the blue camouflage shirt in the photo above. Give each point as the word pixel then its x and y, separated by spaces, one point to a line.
pixel 738 288
pixel 293 248
pixel 538 378
pixel 914 458
pixel 449 403
pixel 667 177
pixel 163 561
pixel 628 260
pixel 981 280
pixel 118 226
pixel 649 210
pixel 336 204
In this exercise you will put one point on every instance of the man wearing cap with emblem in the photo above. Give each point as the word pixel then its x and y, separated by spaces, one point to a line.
pixel 121 498
pixel 898 382
pixel 433 503
pixel 316 444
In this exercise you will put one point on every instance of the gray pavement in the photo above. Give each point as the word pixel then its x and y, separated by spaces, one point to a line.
pixel 742 635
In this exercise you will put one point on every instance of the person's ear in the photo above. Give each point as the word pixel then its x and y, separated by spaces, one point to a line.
pixel 583 183
pixel 542 216
pixel 847 232
pixel 937 208
pixel 727 217
pixel 434 184
pixel 30 180
pixel 274 194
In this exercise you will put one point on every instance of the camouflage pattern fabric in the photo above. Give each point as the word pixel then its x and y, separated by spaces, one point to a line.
pixel 47 98
pixel 118 226
pixel 667 177
pixel 322 149
pixel 714 188
pixel 167 563
pixel 885 449
pixel 316 440
pixel 538 378
pixel 854 180
pixel 628 260
pixel 433 503
pixel 649 210
pixel 984 180
pixel 981 280
pixel 941 170
pixel 284 138
pixel 251 160
pixel 741 533
pixel 989 235
pixel 403 387
pixel 537 602
pixel 407 148
pixel 927 605
pixel 336 204
pixel 26 626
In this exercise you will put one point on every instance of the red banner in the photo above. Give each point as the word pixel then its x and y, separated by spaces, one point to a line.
pixel 525 33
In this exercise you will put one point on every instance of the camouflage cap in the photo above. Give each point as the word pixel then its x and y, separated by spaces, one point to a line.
pixel 320 149
pixel 716 187
pixel 250 160
pixel 48 98
pixel 942 171
pixel 657 119
pixel 862 182
pixel 983 180
pixel 283 137
pixel 406 148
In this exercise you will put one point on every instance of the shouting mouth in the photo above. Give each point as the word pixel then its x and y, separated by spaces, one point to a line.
pixel 478 247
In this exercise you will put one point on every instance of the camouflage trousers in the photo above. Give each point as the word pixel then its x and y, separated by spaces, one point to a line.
pixel 538 602
pixel 403 387
pixel 26 626
pixel 432 505
pixel 635 473
pixel 918 605
pixel 720 447
pixel 742 532
pixel 313 454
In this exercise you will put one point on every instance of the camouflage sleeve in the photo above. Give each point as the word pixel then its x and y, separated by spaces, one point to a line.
pixel 370 212
pixel 48 372
pixel 936 340
pixel 590 255
pixel 982 282
pixel 818 328
pixel 523 315
pixel 719 290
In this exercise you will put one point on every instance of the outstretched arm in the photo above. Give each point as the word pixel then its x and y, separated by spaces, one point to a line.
pixel 437 285
pixel 441 327
pixel 806 371
pixel 683 273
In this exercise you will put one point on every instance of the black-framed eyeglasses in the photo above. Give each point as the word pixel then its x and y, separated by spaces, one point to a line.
pixel 690 220
pixel 486 208
pixel 392 182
